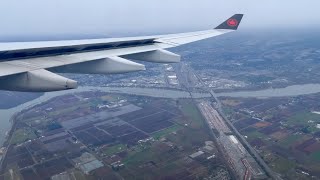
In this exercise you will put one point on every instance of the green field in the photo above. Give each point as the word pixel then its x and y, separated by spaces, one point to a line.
pixel 22 135
pixel 190 110
pixel 114 149
pixel 227 110
pixel 196 132
pixel 157 153
pixel 303 117
pixel 253 135
pixel 291 140
pixel 306 120
pixel 282 165
pixel 138 157
pixel 164 132
pixel 315 156
pixel 152 162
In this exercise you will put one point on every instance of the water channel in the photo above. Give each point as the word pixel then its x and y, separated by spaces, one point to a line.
pixel 296 90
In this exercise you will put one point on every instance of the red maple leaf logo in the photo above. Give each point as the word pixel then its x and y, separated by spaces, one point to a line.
pixel 232 22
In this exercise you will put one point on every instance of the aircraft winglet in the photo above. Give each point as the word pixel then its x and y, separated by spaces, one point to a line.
pixel 231 23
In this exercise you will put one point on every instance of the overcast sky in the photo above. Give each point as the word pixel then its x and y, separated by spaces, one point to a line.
pixel 47 17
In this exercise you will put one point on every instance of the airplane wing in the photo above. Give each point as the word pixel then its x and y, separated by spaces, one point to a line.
pixel 29 66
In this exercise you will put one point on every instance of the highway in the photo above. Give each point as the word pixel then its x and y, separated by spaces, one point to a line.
pixel 234 151
pixel 214 119
pixel 242 139
pixel 217 121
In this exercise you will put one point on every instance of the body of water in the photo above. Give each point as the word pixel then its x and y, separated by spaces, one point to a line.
pixel 6 114
pixel 297 90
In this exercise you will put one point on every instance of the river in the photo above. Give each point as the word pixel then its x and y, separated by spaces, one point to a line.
pixel 296 90
pixel 6 114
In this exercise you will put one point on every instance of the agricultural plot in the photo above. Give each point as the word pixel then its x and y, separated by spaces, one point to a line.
pixel 245 123
pixel 153 122
pixel 140 114
pixel 288 135
pixel 150 141
pixel 50 168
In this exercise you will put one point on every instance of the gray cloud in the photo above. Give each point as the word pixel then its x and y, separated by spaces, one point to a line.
pixel 41 17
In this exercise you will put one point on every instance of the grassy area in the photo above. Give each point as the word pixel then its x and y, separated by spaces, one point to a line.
pixel 139 163
pixel 227 110
pixel 195 134
pixel 67 110
pixel 138 157
pixel 115 149
pixel 39 121
pixel 303 118
pixel 154 153
pixel 282 165
pixel 253 135
pixel 191 110
pixel 290 140
pixel 78 175
pixel 190 138
pixel 164 132
pixel 22 135
pixel 315 156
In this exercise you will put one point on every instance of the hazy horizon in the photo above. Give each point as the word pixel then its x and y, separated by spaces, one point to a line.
pixel 97 18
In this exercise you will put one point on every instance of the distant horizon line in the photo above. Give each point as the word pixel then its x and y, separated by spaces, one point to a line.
pixel 118 34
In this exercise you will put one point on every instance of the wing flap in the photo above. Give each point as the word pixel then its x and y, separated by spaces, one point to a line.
pixel 157 56
pixel 111 65
pixel 9 68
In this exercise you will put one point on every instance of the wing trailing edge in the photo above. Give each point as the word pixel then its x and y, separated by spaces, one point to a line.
pixel 111 65
pixel 157 56
pixel 24 65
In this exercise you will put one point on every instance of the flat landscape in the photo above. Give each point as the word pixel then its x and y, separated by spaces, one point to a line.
pixel 104 136
pixel 94 134
pixel 285 131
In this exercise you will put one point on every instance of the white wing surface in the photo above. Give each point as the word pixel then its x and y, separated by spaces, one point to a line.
pixel 27 66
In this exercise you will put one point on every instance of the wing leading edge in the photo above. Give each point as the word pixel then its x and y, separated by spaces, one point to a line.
pixel 24 66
